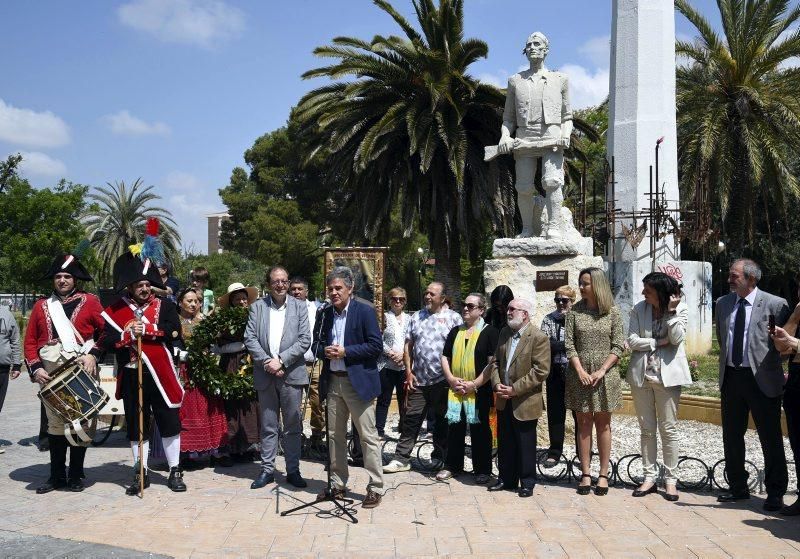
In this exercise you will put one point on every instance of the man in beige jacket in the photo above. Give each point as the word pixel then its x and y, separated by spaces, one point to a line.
pixel 522 363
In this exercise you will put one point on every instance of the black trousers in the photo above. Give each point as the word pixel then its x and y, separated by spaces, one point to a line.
pixel 4 376
pixel 424 398
pixel 168 419
pixel 791 406
pixel 42 423
pixel 557 410
pixel 740 396
pixel 516 449
pixel 391 381
pixel 480 434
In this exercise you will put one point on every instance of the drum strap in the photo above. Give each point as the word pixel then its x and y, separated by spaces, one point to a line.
pixel 70 338
pixel 78 429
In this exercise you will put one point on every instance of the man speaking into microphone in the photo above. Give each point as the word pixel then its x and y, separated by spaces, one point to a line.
pixel 350 343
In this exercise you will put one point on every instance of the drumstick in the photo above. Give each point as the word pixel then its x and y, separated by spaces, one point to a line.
pixel 141 413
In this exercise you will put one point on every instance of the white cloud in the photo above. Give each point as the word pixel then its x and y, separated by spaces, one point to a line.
pixel 30 128
pixel 189 211
pixel 38 164
pixel 499 79
pixel 198 22
pixel 586 89
pixel 125 123
pixel 180 180
pixel 597 50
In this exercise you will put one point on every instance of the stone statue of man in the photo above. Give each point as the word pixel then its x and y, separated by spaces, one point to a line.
pixel 537 123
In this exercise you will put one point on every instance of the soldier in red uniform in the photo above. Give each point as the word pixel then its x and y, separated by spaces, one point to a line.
pixel 139 313
pixel 65 324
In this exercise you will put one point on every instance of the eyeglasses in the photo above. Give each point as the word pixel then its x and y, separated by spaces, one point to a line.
pixel 514 309
pixel 561 300
pixel 279 282
pixel 398 299
pixel 471 306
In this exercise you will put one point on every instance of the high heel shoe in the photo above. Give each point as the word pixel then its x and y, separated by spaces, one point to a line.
pixel 639 493
pixel 585 489
pixel 600 491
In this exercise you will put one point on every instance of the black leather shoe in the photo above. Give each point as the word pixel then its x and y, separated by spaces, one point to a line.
pixel 791 510
pixel 51 485
pixel 733 496
pixel 773 503
pixel 75 485
pixel 638 493
pixel 296 479
pixel 133 488
pixel 262 480
pixel 175 481
pixel 499 486
pixel 525 491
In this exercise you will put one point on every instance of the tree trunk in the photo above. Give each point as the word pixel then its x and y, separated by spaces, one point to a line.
pixel 447 253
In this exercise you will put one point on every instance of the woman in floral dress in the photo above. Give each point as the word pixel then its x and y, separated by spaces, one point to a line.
pixel 594 342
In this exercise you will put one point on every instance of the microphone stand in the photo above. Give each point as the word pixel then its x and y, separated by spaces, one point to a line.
pixel 329 497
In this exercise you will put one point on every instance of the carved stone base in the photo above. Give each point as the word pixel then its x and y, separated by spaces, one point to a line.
pixel 515 263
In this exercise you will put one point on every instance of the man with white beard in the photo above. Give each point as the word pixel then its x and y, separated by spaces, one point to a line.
pixel 522 363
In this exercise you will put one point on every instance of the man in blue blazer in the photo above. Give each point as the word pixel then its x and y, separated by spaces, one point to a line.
pixel 350 343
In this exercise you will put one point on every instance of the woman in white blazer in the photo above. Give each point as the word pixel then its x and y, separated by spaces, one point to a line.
pixel 657 371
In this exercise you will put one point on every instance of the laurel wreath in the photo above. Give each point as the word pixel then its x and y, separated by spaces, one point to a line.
pixel 204 365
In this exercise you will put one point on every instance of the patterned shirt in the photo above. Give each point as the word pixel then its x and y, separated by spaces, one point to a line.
pixel 428 332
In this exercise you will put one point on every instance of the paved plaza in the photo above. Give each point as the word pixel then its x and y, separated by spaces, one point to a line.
pixel 220 516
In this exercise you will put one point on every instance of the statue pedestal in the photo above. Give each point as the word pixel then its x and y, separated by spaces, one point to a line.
pixel 515 263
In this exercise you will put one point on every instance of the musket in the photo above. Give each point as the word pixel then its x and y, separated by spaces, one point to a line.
pixel 490 152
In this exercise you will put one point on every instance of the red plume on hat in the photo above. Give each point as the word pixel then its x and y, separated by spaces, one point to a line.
pixel 141 261
pixel 152 249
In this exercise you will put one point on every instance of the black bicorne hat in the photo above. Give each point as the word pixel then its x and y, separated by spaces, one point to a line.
pixel 67 264
pixel 129 269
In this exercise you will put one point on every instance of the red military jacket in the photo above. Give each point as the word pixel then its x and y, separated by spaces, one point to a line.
pixel 83 310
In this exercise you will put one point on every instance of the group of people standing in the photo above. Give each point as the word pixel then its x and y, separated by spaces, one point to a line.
pixel 448 367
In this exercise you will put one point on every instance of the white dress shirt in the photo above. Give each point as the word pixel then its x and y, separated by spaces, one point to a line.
pixel 339 324
pixel 512 347
pixel 312 315
pixel 748 308
pixel 277 317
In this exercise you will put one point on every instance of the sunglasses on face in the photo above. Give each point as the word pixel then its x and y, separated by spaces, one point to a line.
pixel 510 310
pixel 561 300
pixel 471 306
pixel 398 299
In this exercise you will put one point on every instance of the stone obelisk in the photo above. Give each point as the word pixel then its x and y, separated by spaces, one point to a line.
pixel 642 136
pixel 642 111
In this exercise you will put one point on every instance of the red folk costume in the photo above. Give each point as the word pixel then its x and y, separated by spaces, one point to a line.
pixel 156 356
pixel 82 309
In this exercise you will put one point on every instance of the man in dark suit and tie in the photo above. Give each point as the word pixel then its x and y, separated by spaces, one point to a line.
pixel 751 381
pixel 351 343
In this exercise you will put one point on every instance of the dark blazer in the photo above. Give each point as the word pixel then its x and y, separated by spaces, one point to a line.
pixel 764 359
pixel 362 346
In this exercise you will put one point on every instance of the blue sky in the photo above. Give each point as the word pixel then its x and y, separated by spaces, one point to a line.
pixel 174 91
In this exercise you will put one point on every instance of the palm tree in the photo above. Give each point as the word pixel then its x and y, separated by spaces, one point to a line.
pixel 738 106
pixel 409 123
pixel 116 218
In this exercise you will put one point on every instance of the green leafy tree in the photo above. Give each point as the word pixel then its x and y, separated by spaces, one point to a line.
pixel 116 219
pixel 409 123
pixel 739 114
pixel 224 268
pixel 35 226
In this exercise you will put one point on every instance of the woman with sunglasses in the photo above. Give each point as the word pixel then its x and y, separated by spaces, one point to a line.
pixel 391 366
pixel 553 326
pixel 467 350
pixel 656 373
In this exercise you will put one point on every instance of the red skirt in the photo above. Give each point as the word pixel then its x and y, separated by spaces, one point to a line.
pixel 203 423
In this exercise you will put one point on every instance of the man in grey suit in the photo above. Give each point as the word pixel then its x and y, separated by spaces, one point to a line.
pixel 277 336
pixel 751 381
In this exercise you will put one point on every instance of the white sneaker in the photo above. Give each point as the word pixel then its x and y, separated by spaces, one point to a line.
pixel 2 450
pixel 396 466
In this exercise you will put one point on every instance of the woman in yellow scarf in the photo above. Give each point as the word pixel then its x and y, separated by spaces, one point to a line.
pixel 467 351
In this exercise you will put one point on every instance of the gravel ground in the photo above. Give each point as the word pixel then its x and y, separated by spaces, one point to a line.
pixel 698 440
